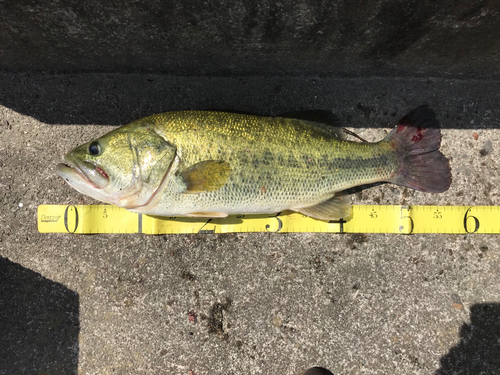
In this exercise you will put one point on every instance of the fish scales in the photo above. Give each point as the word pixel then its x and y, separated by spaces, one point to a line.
pixel 211 164
pixel 276 162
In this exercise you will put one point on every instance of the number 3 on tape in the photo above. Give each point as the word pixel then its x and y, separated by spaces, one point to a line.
pixel 365 219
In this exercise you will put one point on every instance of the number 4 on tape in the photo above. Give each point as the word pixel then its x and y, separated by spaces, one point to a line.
pixel 365 219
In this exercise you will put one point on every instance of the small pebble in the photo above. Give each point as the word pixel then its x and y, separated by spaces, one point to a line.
pixel 487 148
pixel 457 305
pixel 475 136
pixel 277 321
pixel 21 205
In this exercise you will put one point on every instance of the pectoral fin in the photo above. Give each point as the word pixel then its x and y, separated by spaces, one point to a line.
pixel 206 176
pixel 335 208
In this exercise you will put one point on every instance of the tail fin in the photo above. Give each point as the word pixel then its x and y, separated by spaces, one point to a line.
pixel 416 139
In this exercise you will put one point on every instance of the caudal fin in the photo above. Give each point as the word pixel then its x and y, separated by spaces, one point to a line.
pixel 422 166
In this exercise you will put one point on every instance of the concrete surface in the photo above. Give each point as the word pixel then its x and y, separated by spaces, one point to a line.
pixel 191 37
pixel 244 303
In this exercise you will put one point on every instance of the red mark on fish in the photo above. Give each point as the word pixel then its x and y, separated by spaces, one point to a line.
pixel 403 123
pixel 101 172
pixel 417 137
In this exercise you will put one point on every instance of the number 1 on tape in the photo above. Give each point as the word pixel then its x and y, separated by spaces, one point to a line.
pixel 89 219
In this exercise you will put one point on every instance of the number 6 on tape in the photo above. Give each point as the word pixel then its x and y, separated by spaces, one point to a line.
pixel 88 219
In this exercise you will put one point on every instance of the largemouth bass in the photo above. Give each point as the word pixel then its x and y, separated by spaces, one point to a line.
pixel 213 164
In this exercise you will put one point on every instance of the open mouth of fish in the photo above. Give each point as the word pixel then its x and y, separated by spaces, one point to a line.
pixel 69 171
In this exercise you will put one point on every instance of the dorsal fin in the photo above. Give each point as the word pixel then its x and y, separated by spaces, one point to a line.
pixel 321 118
pixel 315 115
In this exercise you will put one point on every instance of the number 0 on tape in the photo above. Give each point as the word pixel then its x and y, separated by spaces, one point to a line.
pixel 89 219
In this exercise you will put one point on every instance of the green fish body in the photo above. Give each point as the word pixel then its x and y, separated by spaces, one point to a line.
pixel 214 164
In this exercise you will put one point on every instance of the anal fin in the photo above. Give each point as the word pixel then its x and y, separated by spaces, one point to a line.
pixel 335 208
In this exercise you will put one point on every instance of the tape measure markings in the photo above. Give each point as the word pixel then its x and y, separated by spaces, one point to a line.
pixel 89 219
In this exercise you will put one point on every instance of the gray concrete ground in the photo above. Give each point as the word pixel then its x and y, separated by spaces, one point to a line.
pixel 244 303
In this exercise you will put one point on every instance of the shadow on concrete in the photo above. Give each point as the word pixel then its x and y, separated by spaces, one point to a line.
pixel 117 99
pixel 317 371
pixel 237 37
pixel 39 323
pixel 478 351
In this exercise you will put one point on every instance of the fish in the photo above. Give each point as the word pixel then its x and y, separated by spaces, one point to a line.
pixel 213 164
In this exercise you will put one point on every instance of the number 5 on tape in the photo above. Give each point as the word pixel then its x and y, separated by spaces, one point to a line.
pixel 365 219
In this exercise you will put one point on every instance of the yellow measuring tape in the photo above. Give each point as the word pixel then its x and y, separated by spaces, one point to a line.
pixel 90 219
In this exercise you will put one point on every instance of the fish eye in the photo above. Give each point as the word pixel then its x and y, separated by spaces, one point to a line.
pixel 94 148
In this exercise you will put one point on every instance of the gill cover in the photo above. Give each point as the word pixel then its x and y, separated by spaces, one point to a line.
pixel 152 159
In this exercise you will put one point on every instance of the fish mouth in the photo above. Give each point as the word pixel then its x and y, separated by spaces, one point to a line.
pixel 74 172
pixel 68 172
